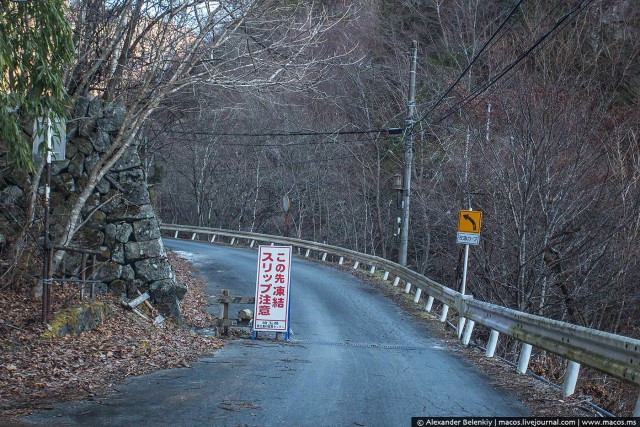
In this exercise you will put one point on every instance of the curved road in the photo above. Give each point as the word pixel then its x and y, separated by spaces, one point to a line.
pixel 354 359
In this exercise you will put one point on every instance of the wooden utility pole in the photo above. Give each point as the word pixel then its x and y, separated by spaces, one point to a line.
pixel 408 156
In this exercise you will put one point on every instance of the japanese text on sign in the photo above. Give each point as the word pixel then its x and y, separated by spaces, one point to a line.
pixel 272 288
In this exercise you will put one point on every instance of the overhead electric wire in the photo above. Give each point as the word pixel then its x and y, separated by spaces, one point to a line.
pixel 276 134
pixel 473 60
pixel 451 110
pixel 563 21
pixel 288 144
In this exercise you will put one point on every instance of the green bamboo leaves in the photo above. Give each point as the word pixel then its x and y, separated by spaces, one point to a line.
pixel 35 47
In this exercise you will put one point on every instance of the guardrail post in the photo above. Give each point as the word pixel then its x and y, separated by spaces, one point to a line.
pixel 324 256
pixel 407 288
pixel 491 344
pixel 372 270
pixel 385 277
pixel 306 254
pixel 233 240
pixel 253 242
pixel 417 297
pixel 341 260
pixel 570 378
pixel 175 236
pixel 525 355
pixel 213 238
pixel 461 323
pixel 429 304
pixel 396 281
pixel 356 265
pixel 193 236
pixel 443 315
pixel 467 332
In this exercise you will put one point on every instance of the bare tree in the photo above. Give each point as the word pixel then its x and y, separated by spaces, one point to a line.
pixel 142 54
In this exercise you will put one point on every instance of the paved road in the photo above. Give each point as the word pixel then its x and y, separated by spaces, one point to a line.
pixel 354 359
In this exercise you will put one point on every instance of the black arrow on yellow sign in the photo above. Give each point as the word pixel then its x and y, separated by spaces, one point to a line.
pixel 473 223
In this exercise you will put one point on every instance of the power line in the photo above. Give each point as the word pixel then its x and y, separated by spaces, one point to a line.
pixel 563 21
pixel 288 144
pixel 473 60
pixel 281 134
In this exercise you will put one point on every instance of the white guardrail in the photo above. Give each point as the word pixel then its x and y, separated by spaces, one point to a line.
pixel 611 354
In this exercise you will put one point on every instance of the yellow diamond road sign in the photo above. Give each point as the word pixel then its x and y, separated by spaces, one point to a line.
pixel 469 222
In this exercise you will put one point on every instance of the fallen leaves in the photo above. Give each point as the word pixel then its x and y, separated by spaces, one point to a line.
pixel 35 371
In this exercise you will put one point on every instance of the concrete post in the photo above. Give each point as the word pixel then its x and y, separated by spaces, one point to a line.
pixel 175 236
pixel 385 277
pixel 466 337
pixel 460 329
pixel 570 378
pixel 407 288
pixel 443 315
pixel 306 254
pixel 429 304
pixel 417 297
pixel 525 355
pixel 341 261
pixel 396 281
pixel 408 157
pixel 193 236
pixel 372 270
pixel 356 265
pixel 491 344
pixel 324 256
pixel 213 239
pixel 233 241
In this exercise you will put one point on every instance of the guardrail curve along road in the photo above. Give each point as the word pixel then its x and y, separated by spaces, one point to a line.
pixel 611 354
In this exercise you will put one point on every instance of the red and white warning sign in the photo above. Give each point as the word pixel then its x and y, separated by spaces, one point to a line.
pixel 272 288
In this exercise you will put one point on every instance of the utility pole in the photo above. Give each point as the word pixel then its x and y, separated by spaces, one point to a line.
pixel 408 156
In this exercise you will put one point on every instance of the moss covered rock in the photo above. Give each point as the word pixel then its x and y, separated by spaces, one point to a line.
pixel 77 320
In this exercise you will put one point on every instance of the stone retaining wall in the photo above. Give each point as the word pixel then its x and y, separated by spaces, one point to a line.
pixel 120 219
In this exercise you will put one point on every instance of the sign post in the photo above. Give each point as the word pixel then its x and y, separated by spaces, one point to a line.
pixel 469 224
pixel 273 290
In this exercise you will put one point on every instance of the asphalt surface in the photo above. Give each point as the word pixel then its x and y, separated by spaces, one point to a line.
pixel 353 359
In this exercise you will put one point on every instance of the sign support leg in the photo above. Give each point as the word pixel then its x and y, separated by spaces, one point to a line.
pixel 286 334
pixel 463 287
pixel 464 269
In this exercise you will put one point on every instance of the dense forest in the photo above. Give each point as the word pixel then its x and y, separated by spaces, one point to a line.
pixel 525 110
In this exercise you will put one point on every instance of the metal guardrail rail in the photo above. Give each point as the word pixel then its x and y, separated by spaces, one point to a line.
pixel 611 354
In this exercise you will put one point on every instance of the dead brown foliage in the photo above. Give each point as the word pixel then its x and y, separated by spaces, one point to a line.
pixel 35 371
